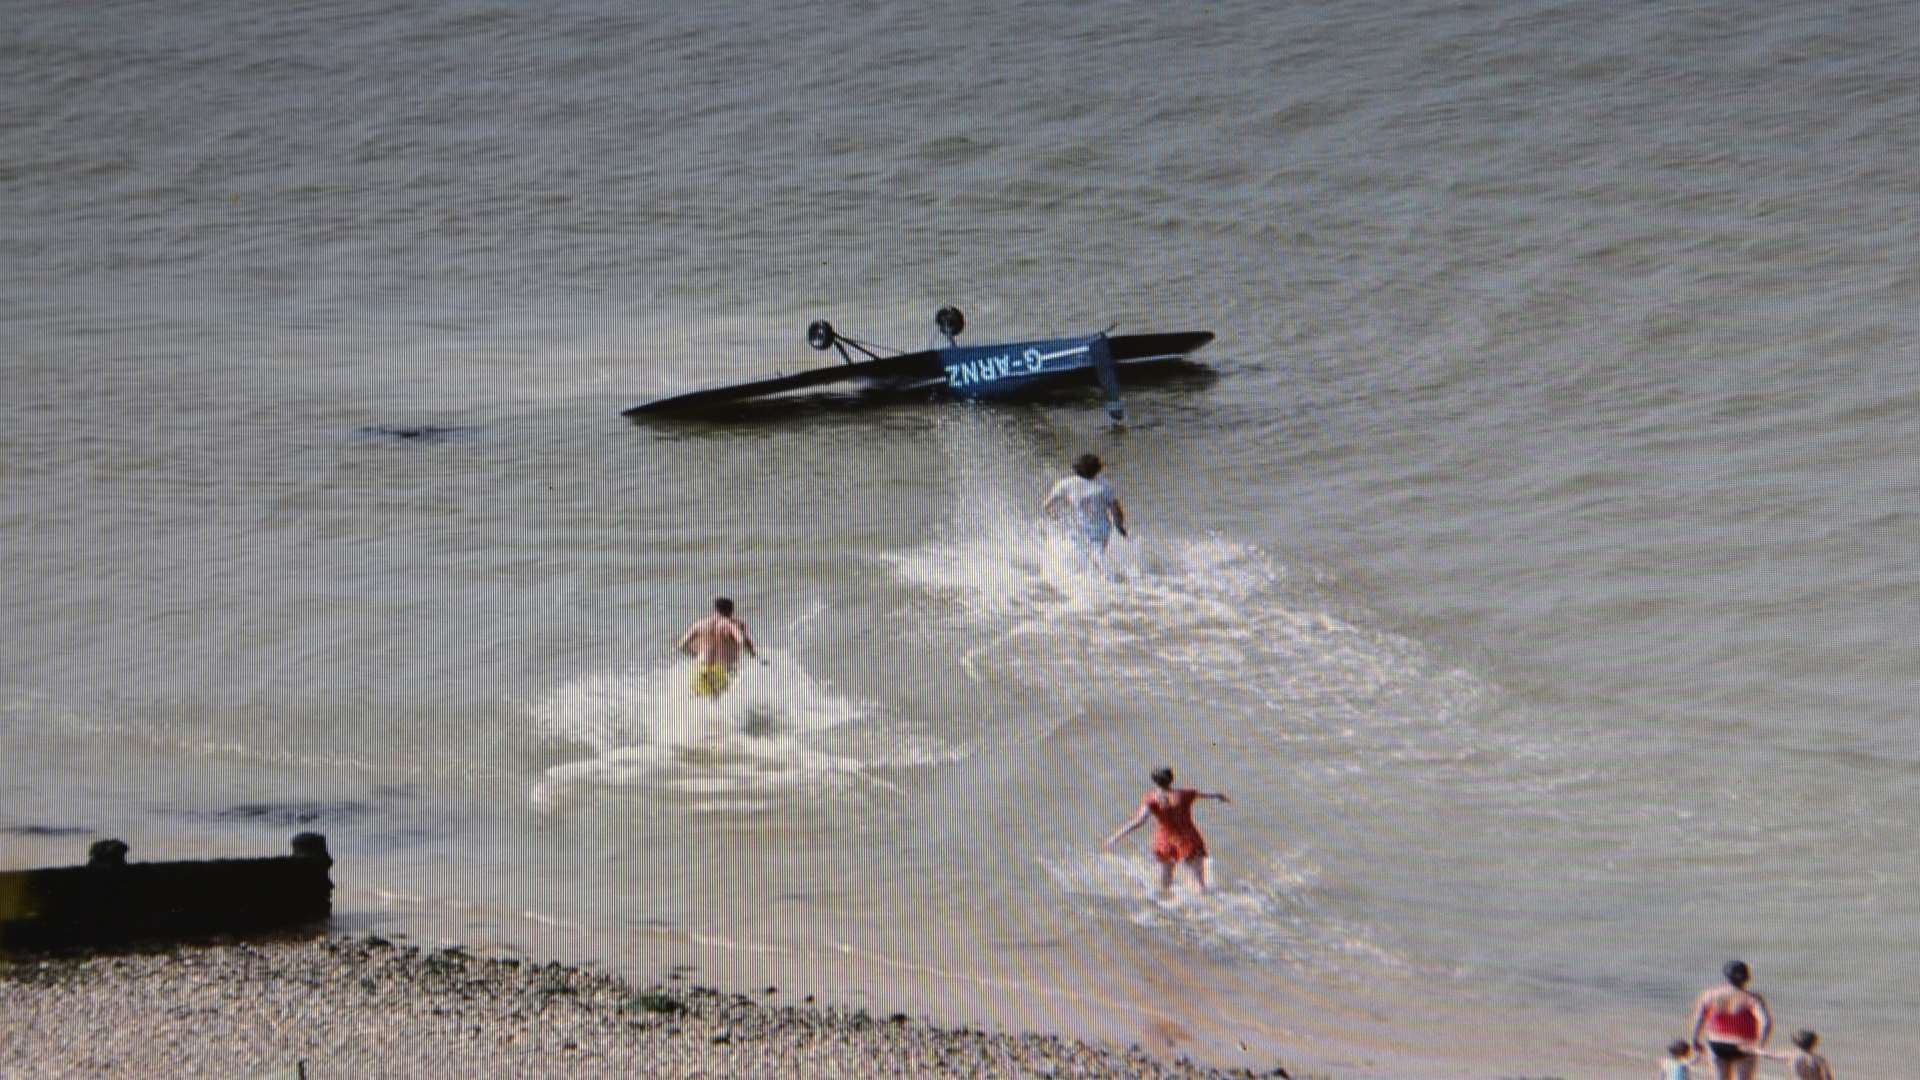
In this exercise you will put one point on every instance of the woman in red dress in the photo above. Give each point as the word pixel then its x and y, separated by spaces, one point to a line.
pixel 1175 840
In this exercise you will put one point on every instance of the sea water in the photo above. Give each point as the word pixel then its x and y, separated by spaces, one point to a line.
pixel 1535 574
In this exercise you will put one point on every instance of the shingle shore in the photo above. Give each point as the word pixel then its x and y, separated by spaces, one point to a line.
pixel 363 1007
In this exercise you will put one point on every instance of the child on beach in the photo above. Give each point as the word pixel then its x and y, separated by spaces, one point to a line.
pixel 1674 1067
pixel 1806 1064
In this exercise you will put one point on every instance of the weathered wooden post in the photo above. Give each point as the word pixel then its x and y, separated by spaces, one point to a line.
pixel 110 900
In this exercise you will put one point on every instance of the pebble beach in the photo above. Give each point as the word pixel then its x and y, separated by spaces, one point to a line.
pixel 340 1006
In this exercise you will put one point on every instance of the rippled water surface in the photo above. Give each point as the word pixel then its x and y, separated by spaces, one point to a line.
pixel 1535 571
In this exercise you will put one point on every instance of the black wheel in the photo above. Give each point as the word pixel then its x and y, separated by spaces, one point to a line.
pixel 950 321
pixel 820 335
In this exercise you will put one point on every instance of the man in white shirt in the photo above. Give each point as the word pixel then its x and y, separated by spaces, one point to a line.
pixel 1092 507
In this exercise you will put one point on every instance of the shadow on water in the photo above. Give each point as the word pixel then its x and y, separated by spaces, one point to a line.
pixel 846 405
pixel 378 826
pixel 423 433
pixel 294 813
pixel 759 723
pixel 46 830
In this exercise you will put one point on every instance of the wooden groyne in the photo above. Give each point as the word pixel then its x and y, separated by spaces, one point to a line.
pixel 110 900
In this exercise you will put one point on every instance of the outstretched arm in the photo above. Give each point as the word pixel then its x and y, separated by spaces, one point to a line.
pixel 747 640
pixel 1119 517
pixel 1139 819
pixel 1699 1021
pixel 1221 795
pixel 685 644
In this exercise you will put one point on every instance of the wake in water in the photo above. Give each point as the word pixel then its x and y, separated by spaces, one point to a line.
pixel 648 727
pixel 1204 648
pixel 1206 606
pixel 1173 620
pixel 1275 915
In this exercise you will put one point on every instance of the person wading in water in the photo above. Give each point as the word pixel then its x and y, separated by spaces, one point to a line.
pixel 715 643
pixel 1175 839
pixel 1086 503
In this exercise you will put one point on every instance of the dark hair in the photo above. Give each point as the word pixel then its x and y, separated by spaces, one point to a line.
pixel 1736 972
pixel 1087 465
pixel 1804 1039
pixel 1163 776
pixel 1678 1048
pixel 723 605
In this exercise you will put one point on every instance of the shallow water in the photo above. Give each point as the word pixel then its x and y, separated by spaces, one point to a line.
pixel 1535 574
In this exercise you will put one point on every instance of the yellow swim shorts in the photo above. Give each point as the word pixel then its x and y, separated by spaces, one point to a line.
pixel 710 680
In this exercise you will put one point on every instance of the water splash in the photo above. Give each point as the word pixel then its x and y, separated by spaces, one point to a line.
pixel 648 727
pixel 1273 913
pixel 1274 655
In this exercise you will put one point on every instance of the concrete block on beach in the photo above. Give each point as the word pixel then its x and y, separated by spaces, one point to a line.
pixel 110 900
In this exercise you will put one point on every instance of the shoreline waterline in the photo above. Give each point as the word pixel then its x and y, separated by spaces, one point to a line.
pixel 353 1005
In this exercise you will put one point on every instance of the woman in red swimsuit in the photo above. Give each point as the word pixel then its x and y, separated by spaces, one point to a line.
pixel 1734 1023
pixel 1175 840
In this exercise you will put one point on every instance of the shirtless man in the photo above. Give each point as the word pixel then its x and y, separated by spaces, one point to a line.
pixel 1734 1023
pixel 715 643
pixel 1175 839
pixel 1095 510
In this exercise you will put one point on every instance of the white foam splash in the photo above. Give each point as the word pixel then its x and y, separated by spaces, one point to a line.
pixel 1266 914
pixel 1046 604
pixel 648 727
pixel 1239 649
